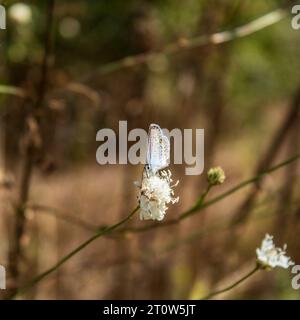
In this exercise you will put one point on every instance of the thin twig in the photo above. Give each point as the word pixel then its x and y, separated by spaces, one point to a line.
pixel 248 275
pixel 220 226
pixel 28 161
pixel 197 208
pixel 72 253
pixel 185 44
pixel 181 217
pixel 63 216
pixel 268 156
pixel 247 29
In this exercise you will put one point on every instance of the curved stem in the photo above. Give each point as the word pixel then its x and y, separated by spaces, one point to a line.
pixel 59 214
pixel 218 38
pixel 71 254
pixel 200 206
pixel 185 44
pixel 235 284
pixel 184 215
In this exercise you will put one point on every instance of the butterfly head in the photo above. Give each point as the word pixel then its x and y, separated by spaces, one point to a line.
pixel 148 170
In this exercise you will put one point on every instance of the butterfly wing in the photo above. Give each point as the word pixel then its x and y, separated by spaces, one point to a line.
pixel 153 151
pixel 158 152
pixel 165 152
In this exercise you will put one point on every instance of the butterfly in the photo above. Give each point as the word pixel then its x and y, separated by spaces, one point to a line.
pixel 158 150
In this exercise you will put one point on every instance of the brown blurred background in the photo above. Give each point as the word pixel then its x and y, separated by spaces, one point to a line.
pixel 56 57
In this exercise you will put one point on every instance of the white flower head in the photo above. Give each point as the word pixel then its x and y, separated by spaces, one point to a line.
pixel 216 176
pixel 268 256
pixel 156 191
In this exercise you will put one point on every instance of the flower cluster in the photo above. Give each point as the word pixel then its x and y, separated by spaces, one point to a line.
pixel 156 191
pixel 215 176
pixel 269 256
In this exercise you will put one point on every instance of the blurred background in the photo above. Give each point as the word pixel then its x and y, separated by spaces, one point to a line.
pixel 59 84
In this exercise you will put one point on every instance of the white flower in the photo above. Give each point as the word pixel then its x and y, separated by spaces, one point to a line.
pixel 156 191
pixel 268 256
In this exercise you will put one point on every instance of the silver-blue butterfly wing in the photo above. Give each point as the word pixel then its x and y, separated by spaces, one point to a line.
pixel 158 150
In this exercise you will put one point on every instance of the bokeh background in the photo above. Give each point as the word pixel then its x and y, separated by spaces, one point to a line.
pixel 59 87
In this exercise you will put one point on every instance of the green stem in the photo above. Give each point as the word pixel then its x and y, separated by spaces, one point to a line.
pixel 151 226
pixel 71 254
pixel 235 284
pixel 198 204
pixel 204 195
pixel 197 208
pixel 239 186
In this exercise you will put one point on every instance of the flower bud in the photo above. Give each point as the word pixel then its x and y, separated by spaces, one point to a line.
pixel 215 176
